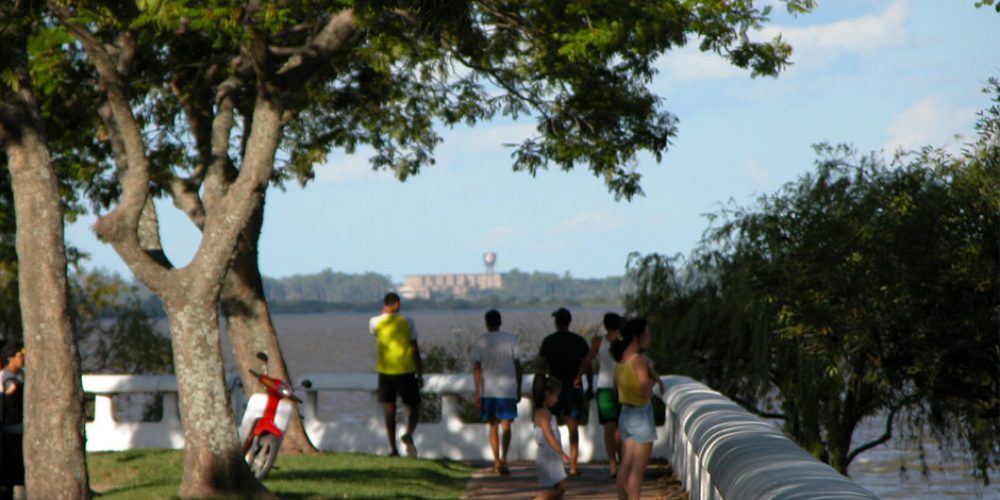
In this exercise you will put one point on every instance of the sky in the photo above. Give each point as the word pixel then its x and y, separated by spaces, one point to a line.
pixel 877 74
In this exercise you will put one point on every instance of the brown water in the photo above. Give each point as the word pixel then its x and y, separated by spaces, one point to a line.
pixel 340 342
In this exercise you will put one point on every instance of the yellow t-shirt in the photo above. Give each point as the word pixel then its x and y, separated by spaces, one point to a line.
pixel 395 335
pixel 629 392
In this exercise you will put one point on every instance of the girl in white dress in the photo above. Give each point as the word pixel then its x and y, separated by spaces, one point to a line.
pixel 550 460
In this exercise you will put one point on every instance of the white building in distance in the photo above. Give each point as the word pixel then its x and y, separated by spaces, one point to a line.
pixel 425 286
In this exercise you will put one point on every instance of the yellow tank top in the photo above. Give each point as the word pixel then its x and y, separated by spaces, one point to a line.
pixel 395 347
pixel 629 392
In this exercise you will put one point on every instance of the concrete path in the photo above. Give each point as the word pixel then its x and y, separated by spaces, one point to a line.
pixel 592 483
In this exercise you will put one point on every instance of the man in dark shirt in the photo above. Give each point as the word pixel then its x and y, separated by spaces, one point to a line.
pixel 560 356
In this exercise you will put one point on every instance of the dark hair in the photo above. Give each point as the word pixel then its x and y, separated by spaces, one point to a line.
pixel 390 299
pixel 493 318
pixel 562 316
pixel 542 385
pixel 9 350
pixel 612 321
pixel 631 330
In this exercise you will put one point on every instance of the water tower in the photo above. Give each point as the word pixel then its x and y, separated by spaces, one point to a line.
pixel 490 259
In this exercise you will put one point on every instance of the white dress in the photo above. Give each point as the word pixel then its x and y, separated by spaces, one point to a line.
pixel 548 462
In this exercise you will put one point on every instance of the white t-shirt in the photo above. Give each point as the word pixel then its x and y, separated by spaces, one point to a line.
pixel 606 365
pixel 497 352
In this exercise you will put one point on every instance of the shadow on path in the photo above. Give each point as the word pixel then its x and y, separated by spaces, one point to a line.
pixel 592 483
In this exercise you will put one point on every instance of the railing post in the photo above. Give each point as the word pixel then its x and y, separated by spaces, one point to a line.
pixel 103 412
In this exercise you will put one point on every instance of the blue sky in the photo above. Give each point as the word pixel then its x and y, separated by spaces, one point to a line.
pixel 878 74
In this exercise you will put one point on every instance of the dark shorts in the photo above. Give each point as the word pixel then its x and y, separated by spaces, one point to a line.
pixel 404 385
pixel 570 403
pixel 608 406
pixel 498 409
pixel 12 470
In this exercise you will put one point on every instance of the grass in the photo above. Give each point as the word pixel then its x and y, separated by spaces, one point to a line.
pixel 152 474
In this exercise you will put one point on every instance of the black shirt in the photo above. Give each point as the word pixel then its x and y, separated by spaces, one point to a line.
pixel 564 351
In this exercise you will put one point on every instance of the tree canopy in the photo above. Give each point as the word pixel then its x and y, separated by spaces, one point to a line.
pixel 867 289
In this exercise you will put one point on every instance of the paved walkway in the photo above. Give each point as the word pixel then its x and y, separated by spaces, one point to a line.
pixel 592 483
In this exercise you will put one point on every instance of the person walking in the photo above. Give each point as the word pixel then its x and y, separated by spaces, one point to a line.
pixel 12 411
pixel 496 370
pixel 560 356
pixel 551 459
pixel 400 370
pixel 607 396
pixel 635 378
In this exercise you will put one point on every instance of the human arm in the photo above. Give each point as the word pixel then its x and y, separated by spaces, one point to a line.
pixel 641 367
pixel 518 375
pixel 477 378
pixel 417 363
pixel 655 376
pixel 542 419
pixel 586 364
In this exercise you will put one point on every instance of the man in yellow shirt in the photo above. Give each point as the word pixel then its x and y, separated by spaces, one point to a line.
pixel 399 368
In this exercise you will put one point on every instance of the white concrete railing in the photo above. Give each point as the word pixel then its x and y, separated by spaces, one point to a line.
pixel 450 437
pixel 719 450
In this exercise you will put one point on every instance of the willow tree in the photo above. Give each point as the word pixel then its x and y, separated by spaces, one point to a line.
pixel 865 290
pixel 246 83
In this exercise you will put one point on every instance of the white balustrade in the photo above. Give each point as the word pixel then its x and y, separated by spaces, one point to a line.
pixel 718 449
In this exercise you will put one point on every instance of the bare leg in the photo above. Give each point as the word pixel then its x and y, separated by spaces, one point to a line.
pixel 495 445
pixel 390 426
pixel 505 441
pixel 611 444
pixel 574 445
pixel 621 482
pixel 553 493
pixel 640 460
pixel 412 418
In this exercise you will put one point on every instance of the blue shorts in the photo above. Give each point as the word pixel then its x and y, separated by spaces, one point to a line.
pixel 636 423
pixel 498 409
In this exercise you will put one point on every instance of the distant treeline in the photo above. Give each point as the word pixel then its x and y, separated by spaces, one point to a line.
pixel 330 290
pixel 335 291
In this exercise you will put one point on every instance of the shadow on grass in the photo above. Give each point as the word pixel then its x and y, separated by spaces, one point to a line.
pixel 403 483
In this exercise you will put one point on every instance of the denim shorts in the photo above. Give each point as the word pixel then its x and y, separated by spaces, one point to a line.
pixel 636 423
pixel 498 409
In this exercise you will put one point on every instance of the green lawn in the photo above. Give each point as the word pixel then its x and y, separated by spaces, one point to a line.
pixel 148 474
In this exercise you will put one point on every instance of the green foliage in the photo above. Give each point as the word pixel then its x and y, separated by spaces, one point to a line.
pixel 114 332
pixel 865 289
pixel 330 287
pixel 536 288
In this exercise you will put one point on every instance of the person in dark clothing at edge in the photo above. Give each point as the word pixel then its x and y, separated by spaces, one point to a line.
pixel 560 356
pixel 12 419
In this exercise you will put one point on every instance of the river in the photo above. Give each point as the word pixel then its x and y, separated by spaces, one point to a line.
pixel 340 342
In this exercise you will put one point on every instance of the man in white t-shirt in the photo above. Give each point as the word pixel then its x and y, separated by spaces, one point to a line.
pixel 496 370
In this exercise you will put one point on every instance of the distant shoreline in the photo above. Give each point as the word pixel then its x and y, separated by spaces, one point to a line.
pixel 317 307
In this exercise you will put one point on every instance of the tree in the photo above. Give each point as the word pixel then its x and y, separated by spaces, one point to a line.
pixel 864 290
pixel 304 77
pixel 55 463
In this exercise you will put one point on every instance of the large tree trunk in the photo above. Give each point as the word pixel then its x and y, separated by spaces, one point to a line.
pixel 213 459
pixel 248 322
pixel 53 441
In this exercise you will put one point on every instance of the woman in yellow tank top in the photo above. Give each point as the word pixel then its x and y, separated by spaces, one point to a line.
pixel 634 378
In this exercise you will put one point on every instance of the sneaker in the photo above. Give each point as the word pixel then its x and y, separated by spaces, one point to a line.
pixel 407 440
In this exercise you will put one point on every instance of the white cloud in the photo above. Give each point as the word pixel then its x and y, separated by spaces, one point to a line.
pixel 690 63
pixel 929 122
pixel 812 45
pixel 492 138
pixel 861 34
pixel 591 221
pixel 341 168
